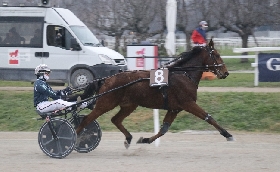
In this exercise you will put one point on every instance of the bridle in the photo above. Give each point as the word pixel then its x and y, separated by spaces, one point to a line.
pixel 215 65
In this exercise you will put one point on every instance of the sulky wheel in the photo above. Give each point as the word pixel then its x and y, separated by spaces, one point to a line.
pixel 62 142
pixel 89 137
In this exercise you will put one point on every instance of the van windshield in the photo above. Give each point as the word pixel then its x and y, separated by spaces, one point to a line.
pixel 86 36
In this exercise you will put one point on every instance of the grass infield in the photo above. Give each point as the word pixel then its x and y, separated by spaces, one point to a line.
pixel 256 112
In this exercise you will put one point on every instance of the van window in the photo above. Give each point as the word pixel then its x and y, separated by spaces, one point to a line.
pixel 85 36
pixel 21 32
pixel 58 36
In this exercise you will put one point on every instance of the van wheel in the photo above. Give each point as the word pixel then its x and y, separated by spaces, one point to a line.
pixel 80 77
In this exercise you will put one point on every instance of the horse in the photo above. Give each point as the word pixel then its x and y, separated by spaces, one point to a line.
pixel 181 93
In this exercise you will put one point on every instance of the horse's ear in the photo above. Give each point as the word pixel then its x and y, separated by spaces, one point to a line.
pixel 211 44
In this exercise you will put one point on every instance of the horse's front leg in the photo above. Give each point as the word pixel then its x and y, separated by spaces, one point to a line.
pixel 193 108
pixel 167 121
pixel 118 119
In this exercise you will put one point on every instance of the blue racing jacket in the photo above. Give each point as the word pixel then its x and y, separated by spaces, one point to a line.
pixel 42 92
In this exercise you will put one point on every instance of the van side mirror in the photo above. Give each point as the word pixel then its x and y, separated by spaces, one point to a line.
pixel 75 45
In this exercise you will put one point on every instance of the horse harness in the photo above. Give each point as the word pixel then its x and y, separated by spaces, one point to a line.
pixel 164 91
pixel 164 87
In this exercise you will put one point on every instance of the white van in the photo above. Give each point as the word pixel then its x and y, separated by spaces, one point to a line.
pixel 30 36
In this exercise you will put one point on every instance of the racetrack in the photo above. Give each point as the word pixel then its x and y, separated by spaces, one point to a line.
pixel 188 151
pixel 179 152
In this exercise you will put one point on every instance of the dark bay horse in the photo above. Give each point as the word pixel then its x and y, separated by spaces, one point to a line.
pixel 184 76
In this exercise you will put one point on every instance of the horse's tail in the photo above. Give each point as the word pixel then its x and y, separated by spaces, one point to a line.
pixel 91 89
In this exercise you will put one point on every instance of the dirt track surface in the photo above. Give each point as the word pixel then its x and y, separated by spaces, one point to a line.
pixel 188 151
pixel 200 89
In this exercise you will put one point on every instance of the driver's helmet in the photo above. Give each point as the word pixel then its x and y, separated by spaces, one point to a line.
pixel 203 24
pixel 42 69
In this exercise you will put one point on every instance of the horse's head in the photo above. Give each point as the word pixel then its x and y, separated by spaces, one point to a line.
pixel 209 59
pixel 214 62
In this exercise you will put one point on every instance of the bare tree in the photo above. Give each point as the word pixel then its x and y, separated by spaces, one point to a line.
pixel 190 13
pixel 146 18
pixel 243 16
pixel 183 21
pixel 127 15
pixel 109 19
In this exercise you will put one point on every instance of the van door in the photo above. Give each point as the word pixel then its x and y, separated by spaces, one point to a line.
pixel 60 57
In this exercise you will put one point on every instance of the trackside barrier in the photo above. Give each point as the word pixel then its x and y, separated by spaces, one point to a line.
pixel 255 65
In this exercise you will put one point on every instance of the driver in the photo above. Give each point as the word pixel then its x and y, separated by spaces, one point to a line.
pixel 42 92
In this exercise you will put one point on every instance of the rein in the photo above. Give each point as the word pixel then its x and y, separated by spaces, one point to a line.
pixel 84 86
pixel 198 68
pixel 215 62
pixel 130 83
pixel 182 69
pixel 195 68
pixel 109 91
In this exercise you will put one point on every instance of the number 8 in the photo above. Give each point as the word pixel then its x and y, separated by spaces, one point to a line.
pixel 159 76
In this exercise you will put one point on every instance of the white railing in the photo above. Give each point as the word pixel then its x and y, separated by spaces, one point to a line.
pixel 239 57
pixel 220 43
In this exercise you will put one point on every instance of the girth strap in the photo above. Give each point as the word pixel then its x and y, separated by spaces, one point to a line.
pixel 163 90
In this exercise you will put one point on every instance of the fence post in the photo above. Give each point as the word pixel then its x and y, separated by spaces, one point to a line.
pixel 256 82
pixel 156 125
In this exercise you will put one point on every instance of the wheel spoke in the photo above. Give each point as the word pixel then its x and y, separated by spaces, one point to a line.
pixel 46 143
pixel 59 150
pixel 66 138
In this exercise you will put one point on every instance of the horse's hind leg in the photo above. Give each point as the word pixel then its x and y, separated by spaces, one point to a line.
pixel 199 112
pixel 118 119
pixel 167 121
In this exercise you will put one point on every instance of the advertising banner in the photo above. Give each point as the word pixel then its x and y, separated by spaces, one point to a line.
pixel 141 57
pixel 269 67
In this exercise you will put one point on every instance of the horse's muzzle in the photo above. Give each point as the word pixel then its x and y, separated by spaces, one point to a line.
pixel 225 75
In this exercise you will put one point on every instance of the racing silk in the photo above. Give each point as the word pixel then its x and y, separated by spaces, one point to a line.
pixel 199 36
pixel 42 92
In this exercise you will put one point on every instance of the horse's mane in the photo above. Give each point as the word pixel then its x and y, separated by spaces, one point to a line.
pixel 183 58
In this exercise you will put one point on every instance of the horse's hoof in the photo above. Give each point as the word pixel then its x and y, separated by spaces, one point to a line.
pixel 126 144
pixel 140 140
pixel 230 139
